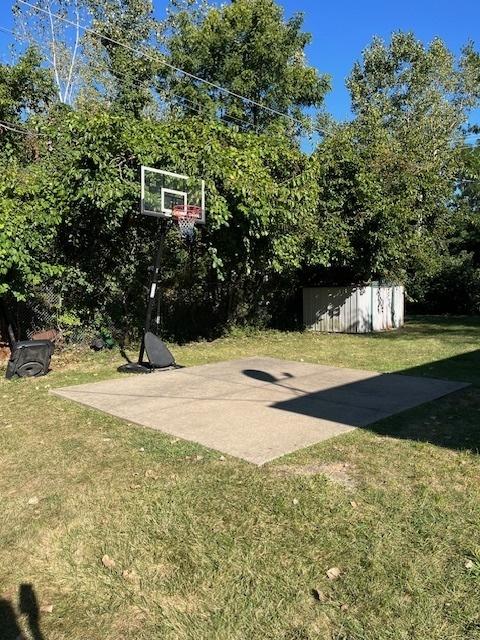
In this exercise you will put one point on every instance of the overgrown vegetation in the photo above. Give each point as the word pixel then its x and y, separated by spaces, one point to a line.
pixel 206 548
pixel 391 195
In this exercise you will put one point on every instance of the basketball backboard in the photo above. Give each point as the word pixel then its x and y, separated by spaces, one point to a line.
pixel 163 190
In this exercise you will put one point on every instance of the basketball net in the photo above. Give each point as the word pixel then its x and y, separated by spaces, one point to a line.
pixel 186 216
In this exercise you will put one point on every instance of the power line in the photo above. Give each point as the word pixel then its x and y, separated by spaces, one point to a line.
pixel 167 64
pixel 8 31
pixel 192 105
pixel 10 126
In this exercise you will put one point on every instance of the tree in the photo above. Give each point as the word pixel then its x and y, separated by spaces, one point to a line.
pixel 126 59
pixel 25 88
pixel 59 41
pixel 26 220
pixel 249 48
pixel 390 175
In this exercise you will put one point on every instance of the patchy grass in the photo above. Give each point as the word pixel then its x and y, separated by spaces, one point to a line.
pixel 206 548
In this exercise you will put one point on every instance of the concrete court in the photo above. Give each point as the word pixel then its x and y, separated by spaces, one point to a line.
pixel 258 408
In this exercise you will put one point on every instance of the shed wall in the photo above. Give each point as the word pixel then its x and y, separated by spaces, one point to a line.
pixel 353 309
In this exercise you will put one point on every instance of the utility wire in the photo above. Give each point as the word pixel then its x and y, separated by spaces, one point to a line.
pixel 192 105
pixel 9 126
pixel 165 63
pixel 8 31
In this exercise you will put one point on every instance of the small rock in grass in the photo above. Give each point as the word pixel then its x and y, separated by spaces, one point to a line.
pixel 469 564
pixel 295 501
pixel 333 573
pixel 222 458
pixel 33 501
pixel 108 562
pixel 46 608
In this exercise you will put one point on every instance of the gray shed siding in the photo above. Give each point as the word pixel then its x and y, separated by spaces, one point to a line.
pixel 353 309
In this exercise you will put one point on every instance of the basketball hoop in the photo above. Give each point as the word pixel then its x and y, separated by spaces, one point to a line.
pixel 186 216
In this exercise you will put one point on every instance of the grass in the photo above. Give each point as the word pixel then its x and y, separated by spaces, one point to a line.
pixel 206 548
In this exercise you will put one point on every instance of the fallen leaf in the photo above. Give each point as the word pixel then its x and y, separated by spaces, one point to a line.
pixel 33 501
pixel 130 574
pixel 354 504
pixel 199 457
pixel 46 608
pixel 108 562
pixel 333 573
pixel 344 607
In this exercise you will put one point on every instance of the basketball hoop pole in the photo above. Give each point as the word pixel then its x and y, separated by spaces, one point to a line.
pixel 153 287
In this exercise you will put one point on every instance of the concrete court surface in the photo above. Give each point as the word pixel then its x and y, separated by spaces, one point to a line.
pixel 258 408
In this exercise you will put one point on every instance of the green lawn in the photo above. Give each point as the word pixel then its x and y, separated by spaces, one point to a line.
pixel 213 549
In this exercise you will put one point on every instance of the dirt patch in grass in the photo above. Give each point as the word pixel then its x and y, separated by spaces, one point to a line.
pixel 341 473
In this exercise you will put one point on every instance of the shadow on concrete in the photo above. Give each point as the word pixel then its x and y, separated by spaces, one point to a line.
pixel 13 622
pixel 416 404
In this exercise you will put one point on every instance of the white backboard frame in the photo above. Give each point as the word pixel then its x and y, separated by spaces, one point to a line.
pixel 163 211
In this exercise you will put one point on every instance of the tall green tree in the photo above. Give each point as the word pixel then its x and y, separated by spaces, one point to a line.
pixel 390 175
pixel 27 218
pixel 248 47
pixel 26 88
pixel 126 60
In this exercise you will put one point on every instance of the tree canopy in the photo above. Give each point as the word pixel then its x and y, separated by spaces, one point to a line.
pixel 390 195
pixel 249 48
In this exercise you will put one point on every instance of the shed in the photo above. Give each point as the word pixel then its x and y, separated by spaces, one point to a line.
pixel 354 309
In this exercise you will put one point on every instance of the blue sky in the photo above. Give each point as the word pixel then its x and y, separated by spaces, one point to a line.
pixel 341 29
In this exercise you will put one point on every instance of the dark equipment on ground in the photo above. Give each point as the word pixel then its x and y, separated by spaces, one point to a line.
pixel 29 358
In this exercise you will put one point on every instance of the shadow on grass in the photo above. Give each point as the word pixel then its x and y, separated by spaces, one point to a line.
pixel 464 367
pixel 452 422
pixel 421 403
pixel 455 329
pixel 10 620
